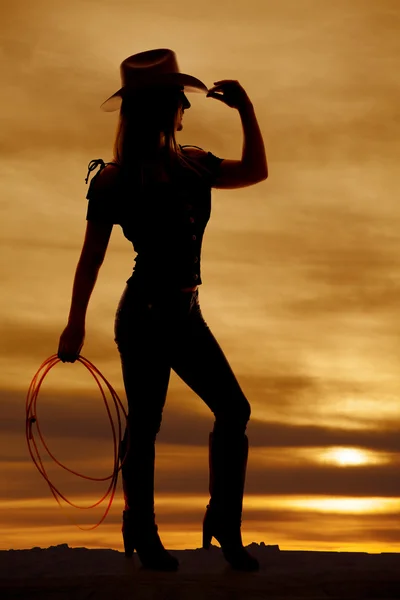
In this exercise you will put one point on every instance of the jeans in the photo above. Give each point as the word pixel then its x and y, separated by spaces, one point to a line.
pixel 159 330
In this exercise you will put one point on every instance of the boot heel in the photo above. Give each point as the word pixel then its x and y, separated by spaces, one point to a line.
pixel 128 545
pixel 148 546
pixel 207 531
pixel 207 536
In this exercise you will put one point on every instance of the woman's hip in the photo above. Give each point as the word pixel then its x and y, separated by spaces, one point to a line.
pixel 154 314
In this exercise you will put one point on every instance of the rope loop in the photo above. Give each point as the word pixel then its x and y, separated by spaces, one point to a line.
pixel 32 419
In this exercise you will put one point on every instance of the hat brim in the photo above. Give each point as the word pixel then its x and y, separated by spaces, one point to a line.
pixel 187 82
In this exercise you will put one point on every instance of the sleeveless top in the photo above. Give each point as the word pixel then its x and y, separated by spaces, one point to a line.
pixel 164 220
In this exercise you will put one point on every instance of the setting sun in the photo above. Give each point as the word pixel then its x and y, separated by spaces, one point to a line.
pixel 347 456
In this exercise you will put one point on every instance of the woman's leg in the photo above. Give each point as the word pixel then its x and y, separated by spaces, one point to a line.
pixel 199 360
pixel 146 371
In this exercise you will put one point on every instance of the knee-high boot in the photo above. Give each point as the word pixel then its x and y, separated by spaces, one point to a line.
pixel 139 529
pixel 227 463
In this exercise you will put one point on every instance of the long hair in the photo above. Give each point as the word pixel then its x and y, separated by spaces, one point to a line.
pixel 146 132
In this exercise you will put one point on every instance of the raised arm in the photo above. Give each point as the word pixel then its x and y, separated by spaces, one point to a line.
pixel 252 168
pixel 92 255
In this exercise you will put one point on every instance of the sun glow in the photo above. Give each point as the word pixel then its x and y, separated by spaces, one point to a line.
pixel 344 505
pixel 346 457
pixel 325 504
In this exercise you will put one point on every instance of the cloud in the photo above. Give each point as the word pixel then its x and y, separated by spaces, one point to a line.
pixel 186 419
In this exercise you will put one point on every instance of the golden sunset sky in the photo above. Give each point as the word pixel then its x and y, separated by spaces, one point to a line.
pixel 301 272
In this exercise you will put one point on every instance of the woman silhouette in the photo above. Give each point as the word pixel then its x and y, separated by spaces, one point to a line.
pixel 160 194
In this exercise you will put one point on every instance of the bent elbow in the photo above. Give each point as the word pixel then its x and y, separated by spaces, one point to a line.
pixel 261 177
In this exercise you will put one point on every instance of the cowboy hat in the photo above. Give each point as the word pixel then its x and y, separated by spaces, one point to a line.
pixel 152 68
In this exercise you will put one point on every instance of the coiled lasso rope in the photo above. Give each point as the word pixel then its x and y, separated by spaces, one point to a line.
pixel 31 419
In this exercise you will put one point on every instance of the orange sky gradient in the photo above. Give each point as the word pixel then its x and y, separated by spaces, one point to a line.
pixel 301 272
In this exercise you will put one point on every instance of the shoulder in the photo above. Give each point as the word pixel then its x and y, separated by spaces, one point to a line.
pixel 204 157
pixel 105 182
pixel 107 177
pixel 207 162
pixel 193 151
